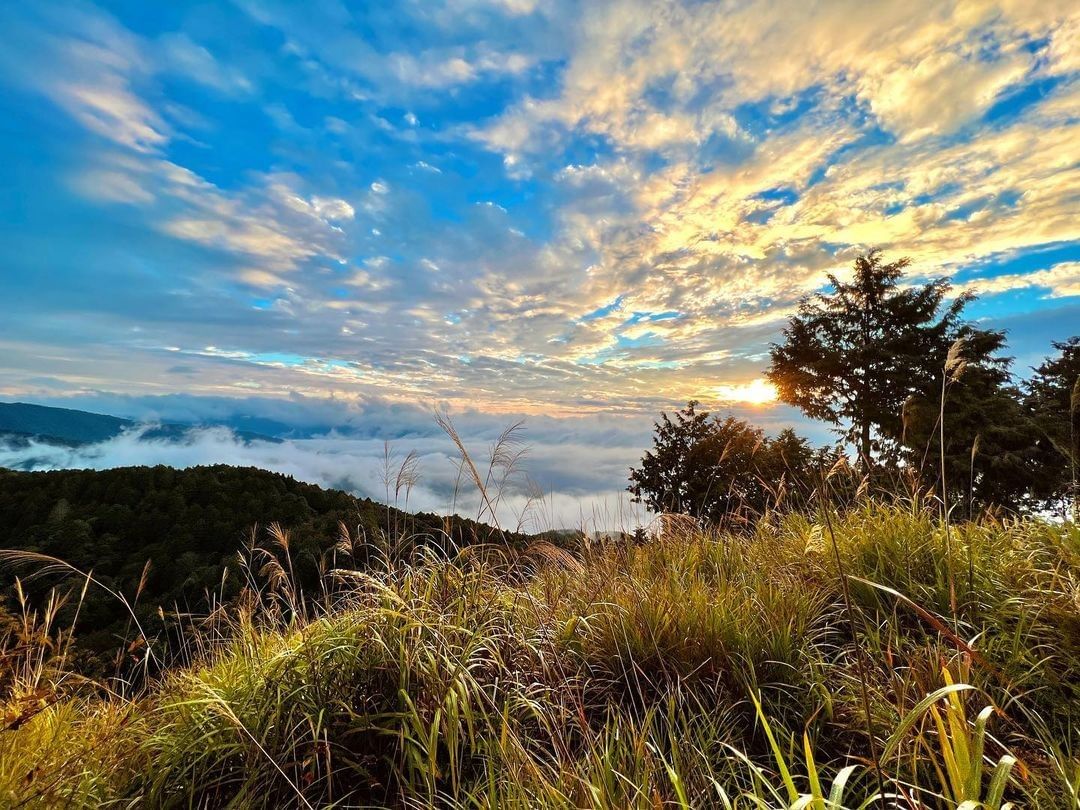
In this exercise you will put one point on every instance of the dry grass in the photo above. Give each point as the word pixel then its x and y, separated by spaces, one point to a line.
pixel 695 670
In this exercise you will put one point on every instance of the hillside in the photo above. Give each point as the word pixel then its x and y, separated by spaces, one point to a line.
pixel 189 525
pixel 21 421
pixel 62 425
pixel 699 670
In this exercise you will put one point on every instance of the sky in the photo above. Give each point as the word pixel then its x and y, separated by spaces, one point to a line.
pixel 577 212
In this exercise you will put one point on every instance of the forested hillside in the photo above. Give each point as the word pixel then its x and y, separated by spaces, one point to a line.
pixel 189 524
pixel 62 425
pixel 21 422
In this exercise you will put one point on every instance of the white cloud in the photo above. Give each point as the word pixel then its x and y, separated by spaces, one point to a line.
pixel 711 160
pixel 111 185
pixel 580 463
pixel 109 108
pixel 592 497
pixel 1062 280
pixel 443 68
pixel 941 92
pixel 922 69
pixel 331 210
pixel 90 67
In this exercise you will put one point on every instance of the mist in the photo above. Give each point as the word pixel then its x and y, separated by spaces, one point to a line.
pixel 558 485
pixel 580 464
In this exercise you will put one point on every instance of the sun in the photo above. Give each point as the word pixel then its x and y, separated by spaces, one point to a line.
pixel 755 392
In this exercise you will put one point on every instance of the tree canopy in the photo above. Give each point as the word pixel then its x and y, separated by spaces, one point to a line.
pixel 921 395
pixel 990 455
pixel 189 525
pixel 716 469
pixel 1052 397
pixel 852 356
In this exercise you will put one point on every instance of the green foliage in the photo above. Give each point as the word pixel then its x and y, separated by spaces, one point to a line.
pixel 695 670
pixel 1053 400
pixel 720 470
pixel 189 526
pixel 869 357
pixel 991 457
pixel 854 355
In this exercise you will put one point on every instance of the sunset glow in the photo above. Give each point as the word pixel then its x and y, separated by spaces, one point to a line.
pixel 755 392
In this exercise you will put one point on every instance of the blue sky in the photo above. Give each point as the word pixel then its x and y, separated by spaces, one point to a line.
pixel 511 206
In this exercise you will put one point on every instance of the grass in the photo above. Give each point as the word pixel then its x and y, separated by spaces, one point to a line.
pixel 694 670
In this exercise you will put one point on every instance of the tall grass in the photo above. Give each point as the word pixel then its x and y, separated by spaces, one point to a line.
pixel 696 669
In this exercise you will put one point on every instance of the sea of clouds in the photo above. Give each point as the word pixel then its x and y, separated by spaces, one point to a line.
pixel 570 476
pixel 573 473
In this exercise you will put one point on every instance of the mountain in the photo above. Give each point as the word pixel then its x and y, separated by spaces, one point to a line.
pixel 60 425
pixel 24 421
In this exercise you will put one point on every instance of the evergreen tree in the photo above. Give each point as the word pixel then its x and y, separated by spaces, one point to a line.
pixel 1053 401
pixel 853 356
pixel 189 524
pixel 718 470
pixel 990 443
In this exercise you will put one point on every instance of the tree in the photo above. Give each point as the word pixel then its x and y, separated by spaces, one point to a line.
pixel 717 469
pixel 853 356
pixel 990 443
pixel 1052 398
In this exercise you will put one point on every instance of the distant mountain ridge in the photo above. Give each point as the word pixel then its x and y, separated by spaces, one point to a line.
pixel 63 424
pixel 72 427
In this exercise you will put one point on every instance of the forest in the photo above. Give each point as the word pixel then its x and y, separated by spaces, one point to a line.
pixel 174 538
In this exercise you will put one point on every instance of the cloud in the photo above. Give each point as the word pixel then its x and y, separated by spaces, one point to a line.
pixel 911 168
pixel 639 70
pixel 941 92
pixel 110 109
pixel 91 71
pixel 1060 281
pixel 270 220
pixel 571 494
pixel 404 59
pixel 442 69
pixel 177 52
pixel 702 164
pixel 115 184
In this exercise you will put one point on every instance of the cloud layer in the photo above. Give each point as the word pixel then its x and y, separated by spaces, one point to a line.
pixel 568 484
pixel 574 470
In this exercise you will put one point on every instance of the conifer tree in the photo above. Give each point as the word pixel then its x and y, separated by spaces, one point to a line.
pixel 718 469
pixel 1053 401
pixel 852 356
